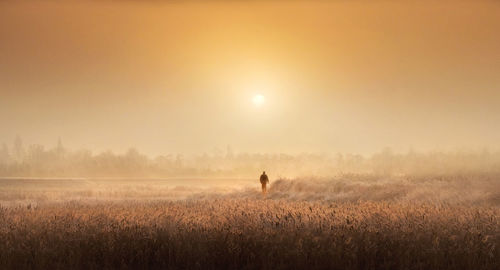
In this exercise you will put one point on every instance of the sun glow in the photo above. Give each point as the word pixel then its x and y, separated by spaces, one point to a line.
pixel 258 100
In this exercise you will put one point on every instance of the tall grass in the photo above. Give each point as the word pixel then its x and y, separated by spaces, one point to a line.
pixel 249 234
pixel 346 225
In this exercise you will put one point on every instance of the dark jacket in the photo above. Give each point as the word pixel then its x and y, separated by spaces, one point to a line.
pixel 264 179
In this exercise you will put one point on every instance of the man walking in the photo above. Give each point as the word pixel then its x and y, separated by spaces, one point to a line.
pixel 264 180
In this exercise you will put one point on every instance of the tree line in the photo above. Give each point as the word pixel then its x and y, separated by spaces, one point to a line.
pixel 35 160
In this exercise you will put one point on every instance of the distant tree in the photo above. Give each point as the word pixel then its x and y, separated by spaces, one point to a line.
pixel 135 161
pixel 60 150
pixel 179 161
pixel 4 154
pixel 229 152
pixel 18 149
pixel 36 153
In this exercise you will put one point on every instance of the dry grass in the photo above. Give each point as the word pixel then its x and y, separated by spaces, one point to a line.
pixel 240 230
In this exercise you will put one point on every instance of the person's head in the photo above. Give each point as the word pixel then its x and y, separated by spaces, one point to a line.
pixel 264 172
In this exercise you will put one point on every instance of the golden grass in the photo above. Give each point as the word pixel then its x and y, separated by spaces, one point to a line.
pixel 249 233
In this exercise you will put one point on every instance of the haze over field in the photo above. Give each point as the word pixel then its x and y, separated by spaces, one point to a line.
pixel 134 134
pixel 181 76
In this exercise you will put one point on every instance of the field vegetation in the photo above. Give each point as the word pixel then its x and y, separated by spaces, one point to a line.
pixel 346 222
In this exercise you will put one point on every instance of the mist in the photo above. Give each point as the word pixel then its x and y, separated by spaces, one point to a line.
pixel 337 76
pixel 250 134
pixel 35 160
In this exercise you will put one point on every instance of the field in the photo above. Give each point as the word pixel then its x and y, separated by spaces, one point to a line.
pixel 347 222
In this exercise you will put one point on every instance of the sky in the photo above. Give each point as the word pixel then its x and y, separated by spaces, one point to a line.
pixel 181 76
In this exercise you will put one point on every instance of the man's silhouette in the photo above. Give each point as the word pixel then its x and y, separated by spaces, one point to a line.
pixel 264 180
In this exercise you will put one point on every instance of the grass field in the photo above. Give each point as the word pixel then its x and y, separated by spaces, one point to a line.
pixel 350 222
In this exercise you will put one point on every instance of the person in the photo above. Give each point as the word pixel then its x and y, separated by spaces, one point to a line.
pixel 264 180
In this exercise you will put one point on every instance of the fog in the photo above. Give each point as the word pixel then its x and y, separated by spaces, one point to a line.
pixel 38 161
pixel 134 134
pixel 458 189
pixel 36 175
pixel 180 76
pixel 336 100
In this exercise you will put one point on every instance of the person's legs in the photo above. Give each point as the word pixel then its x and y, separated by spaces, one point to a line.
pixel 264 188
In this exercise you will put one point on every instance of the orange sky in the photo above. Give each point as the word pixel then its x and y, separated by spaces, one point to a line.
pixel 179 76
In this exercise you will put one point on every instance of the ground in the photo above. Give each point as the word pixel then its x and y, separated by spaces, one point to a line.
pixel 351 222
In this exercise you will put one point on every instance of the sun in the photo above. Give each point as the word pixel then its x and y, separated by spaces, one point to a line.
pixel 258 100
